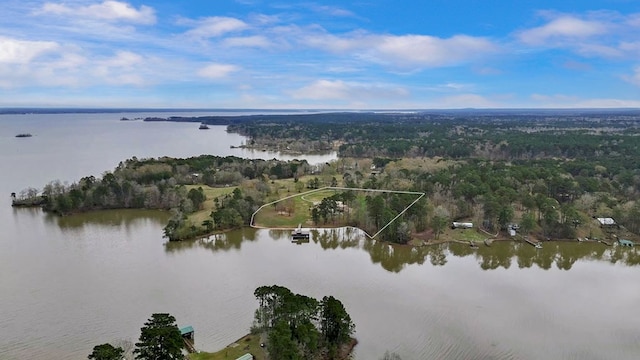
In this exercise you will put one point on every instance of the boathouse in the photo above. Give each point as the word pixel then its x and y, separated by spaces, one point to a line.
pixel 187 332
pixel 188 337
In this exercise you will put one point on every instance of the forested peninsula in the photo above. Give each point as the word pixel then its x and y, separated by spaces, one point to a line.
pixel 548 174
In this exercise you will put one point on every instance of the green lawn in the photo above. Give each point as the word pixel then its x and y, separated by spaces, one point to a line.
pixel 463 235
pixel 247 344
pixel 270 217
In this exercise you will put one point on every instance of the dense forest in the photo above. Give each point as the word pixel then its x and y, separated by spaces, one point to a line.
pixel 301 327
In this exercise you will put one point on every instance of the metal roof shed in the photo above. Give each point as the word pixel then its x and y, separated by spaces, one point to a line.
pixel 185 330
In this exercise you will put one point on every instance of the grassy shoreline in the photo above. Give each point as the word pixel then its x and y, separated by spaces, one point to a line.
pixel 247 344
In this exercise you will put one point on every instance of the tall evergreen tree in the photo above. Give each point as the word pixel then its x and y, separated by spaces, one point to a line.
pixel 159 339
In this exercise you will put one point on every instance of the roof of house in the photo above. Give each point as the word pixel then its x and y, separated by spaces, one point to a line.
pixel 245 357
pixel 186 330
pixel 606 221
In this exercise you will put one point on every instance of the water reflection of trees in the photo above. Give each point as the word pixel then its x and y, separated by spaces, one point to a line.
pixel 393 258
pixel 500 255
pixel 218 242
pixel 562 255
pixel 121 217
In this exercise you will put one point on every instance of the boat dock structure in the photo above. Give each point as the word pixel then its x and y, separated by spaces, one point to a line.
pixel 300 234
pixel 188 336
pixel 536 244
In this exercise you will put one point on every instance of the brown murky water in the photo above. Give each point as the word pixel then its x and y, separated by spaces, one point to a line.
pixel 69 284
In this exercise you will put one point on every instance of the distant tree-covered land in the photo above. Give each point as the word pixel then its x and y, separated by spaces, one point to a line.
pixel 549 170
pixel 456 134
pixel 551 173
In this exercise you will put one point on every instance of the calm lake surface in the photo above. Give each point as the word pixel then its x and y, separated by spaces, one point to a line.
pixel 67 284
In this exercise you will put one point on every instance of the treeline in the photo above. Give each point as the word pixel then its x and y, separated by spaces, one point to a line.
pixel 500 135
pixel 162 184
pixel 301 327
pixel 552 198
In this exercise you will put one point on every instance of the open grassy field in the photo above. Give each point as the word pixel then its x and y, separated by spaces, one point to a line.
pixel 290 212
pixel 247 344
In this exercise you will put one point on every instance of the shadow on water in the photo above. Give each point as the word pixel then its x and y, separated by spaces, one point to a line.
pixel 394 258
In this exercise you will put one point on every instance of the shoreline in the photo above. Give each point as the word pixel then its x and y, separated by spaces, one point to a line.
pixel 253 344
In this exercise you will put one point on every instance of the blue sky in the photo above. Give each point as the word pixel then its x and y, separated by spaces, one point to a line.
pixel 367 54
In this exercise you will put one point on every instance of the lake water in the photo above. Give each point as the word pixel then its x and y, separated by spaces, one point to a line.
pixel 67 284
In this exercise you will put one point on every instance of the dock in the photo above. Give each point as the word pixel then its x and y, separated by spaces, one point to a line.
pixel 300 234
pixel 535 244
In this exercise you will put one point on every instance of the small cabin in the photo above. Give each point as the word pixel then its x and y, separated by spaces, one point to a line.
pixel 461 225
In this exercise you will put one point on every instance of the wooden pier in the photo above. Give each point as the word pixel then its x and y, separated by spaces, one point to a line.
pixel 536 244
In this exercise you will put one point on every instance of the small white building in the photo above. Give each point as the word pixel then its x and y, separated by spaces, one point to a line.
pixel 461 225
pixel 606 222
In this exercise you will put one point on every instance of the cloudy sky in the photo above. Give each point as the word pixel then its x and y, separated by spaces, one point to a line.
pixel 365 54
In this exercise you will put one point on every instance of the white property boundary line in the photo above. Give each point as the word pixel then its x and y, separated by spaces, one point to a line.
pixel 344 188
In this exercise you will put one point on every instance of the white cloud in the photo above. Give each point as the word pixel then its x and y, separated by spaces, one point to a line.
pixel 216 26
pixel 588 49
pixel 107 10
pixel 565 27
pixel 406 50
pixel 15 51
pixel 217 71
pixel 124 68
pixel 635 77
pixel 634 20
pixel 332 11
pixel 347 91
pixel 430 51
pixel 257 41
pixel 124 59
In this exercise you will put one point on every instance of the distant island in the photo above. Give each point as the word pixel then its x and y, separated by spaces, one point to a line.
pixel 24 135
